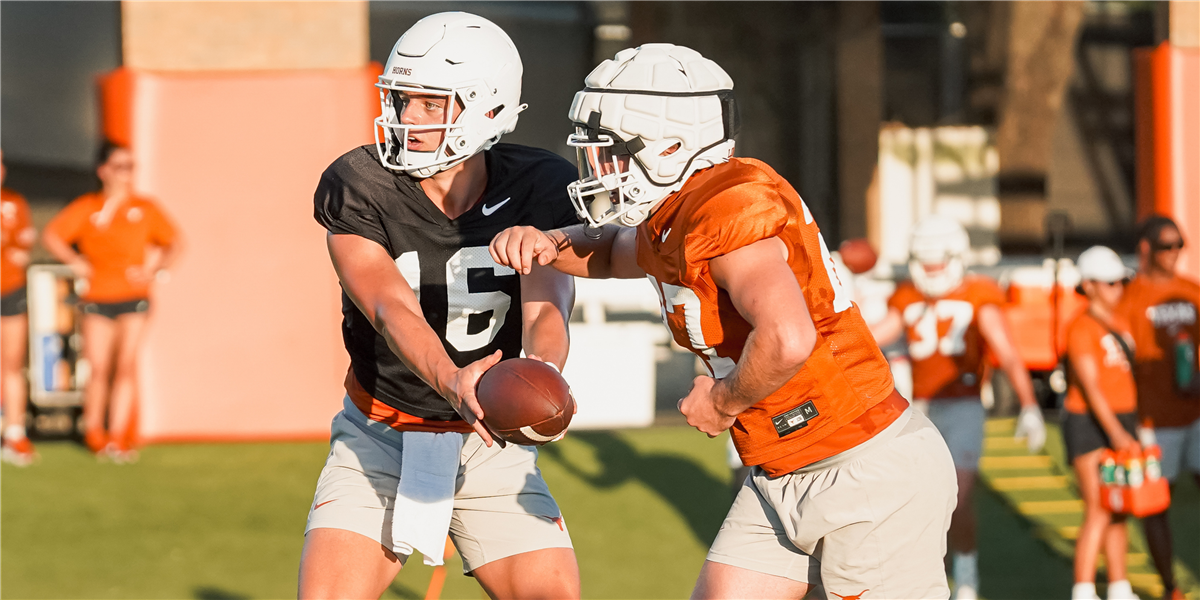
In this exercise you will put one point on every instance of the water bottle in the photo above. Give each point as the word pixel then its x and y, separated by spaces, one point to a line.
pixel 1153 463
pixel 1133 469
pixel 1150 450
pixel 1108 469
pixel 1185 361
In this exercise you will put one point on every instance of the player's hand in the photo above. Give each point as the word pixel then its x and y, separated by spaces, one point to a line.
pixel 462 394
pixel 521 247
pixel 81 268
pixel 700 408
pixel 1121 440
pixel 1032 427
pixel 18 256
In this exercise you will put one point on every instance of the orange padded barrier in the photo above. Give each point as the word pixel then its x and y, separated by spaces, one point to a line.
pixel 244 340
pixel 1167 85
pixel 1029 313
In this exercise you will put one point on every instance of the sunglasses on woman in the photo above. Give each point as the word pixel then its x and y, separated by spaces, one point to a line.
pixel 1161 247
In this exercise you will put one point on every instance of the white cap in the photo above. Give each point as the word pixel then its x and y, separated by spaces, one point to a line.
pixel 1100 263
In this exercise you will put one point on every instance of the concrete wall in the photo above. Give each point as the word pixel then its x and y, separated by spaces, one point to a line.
pixel 244 36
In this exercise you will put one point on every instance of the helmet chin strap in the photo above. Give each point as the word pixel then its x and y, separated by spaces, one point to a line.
pixel 634 216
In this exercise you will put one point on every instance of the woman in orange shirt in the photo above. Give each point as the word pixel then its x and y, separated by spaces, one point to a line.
pixel 18 238
pixel 1101 412
pixel 118 243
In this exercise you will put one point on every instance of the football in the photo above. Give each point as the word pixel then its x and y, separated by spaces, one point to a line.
pixel 525 401
pixel 858 255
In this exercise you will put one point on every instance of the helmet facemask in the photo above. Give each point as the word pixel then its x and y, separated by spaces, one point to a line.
pixel 460 128
pixel 615 184
pixel 941 281
pixel 937 256
pixel 612 185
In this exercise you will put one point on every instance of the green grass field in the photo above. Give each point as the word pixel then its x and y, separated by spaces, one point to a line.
pixel 226 521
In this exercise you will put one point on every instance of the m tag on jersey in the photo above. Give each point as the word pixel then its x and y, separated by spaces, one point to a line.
pixel 794 419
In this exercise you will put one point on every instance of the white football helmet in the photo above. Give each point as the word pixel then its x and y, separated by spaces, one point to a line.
pixel 644 122
pixel 937 255
pixel 470 61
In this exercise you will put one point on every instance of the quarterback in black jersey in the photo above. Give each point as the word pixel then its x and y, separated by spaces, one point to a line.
pixel 426 311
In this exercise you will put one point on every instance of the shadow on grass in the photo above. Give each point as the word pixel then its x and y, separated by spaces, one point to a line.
pixel 215 593
pixel 701 499
pixel 1013 562
pixel 1185 521
pixel 399 590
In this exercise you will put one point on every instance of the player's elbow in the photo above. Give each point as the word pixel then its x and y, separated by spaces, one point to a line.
pixel 794 343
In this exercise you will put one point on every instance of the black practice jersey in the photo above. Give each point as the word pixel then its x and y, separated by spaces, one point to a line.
pixel 470 301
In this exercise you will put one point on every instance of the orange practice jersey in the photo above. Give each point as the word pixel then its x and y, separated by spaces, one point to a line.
pixel 1088 337
pixel 944 342
pixel 18 234
pixel 113 241
pixel 1158 315
pixel 395 418
pixel 843 394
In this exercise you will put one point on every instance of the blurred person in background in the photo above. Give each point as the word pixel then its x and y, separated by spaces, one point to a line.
pixel 1100 412
pixel 118 243
pixel 18 238
pixel 425 312
pixel 1160 307
pixel 952 319
pixel 849 490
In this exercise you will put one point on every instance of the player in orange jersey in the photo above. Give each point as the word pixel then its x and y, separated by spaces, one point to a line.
pixel 1161 308
pixel 118 243
pixel 1101 407
pixel 18 238
pixel 850 489
pixel 950 318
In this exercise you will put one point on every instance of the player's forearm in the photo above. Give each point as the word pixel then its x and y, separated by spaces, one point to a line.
pixel 1021 382
pixel 888 330
pixel 416 345
pixel 1095 398
pixel 60 249
pixel 771 357
pixel 26 238
pixel 19 256
pixel 604 257
pixel 546 337
pixel 170 254
pixel 1103 413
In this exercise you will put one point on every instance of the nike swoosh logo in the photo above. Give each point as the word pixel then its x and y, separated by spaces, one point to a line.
pixel 488 210
pixel 665 234
pixel 323 504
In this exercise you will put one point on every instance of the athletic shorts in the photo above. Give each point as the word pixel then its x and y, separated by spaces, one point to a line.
pixel 960 421
pixel 1180 448
pixel 113 310
pixel 870 520
pixel 1083 434
pixel 14 303
pixel 502 506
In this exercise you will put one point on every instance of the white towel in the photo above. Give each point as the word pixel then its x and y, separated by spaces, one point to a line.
pixel 425 496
